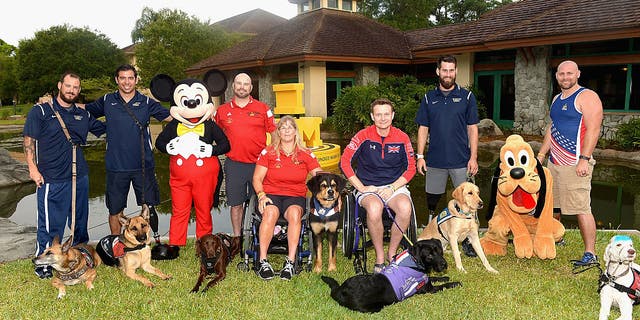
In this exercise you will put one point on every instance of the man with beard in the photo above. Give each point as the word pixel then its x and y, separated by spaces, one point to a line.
pixel 246 122
pixel 128 113
pixel 49 156
pixel 448 116
pixel 576 120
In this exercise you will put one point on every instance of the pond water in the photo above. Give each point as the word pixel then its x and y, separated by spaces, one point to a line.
pixel 615 195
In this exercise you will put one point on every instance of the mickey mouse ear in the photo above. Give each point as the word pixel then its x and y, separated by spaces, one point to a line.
pixel 162 87
pixel 216 81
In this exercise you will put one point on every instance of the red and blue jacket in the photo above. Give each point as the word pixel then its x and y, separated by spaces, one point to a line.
pixel 379 160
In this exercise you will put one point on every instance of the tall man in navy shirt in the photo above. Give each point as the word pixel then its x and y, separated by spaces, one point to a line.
pixel 49 156
pixel 128 112
pixel 448 116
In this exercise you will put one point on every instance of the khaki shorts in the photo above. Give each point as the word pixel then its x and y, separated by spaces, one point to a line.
pixel 402 190
pixel 571 193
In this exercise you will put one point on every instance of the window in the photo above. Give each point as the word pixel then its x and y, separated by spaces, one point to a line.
pixel 346 5
pixel 332 4
pixel 634 103
pixel 304 7
pixel 315 4
pixel 610 83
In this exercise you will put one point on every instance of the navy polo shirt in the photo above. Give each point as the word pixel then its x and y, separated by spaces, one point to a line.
pixel 447 118
pixel 53 150
pixel 124 153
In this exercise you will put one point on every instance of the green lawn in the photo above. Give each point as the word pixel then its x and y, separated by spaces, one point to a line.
pixel 524 289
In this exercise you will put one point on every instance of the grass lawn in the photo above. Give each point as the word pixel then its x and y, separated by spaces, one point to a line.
pixel 524 289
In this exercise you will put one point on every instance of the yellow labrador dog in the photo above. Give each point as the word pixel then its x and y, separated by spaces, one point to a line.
pixel 457 222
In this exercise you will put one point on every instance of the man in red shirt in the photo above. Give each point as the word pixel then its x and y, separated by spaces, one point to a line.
pixel 246 122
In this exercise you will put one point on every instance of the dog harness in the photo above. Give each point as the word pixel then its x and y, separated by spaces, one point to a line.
pixel 110 248
pixel 321 211
pixel 446 214
pixel 210 263
pixel 405 275
pixel 90 263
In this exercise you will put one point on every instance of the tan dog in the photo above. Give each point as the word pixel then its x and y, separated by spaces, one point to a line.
pixel 130 250
pixel 458 222
pixel 73 265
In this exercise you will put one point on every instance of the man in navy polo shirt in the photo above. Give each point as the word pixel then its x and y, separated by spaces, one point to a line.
pixel 126 138
pixel 448 115
pixel 49 156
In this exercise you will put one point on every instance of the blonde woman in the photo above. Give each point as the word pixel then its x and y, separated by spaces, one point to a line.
pixel 279 180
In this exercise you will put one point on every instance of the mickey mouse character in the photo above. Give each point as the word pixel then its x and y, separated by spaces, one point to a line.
pixel 193 142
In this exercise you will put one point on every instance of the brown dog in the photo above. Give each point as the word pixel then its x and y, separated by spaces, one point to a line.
pixel 457 222
pixel 73 265
pixel 325 214
pixel 130 250
pixel 215 252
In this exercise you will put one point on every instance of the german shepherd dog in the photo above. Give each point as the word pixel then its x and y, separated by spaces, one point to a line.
pixel 73 265
pixel 131 248
pixel 325 215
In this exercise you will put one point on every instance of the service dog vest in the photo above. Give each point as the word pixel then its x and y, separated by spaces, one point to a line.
pixel 110 248
pixel 404 277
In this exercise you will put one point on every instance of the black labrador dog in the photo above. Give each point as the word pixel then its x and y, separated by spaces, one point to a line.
pixel 405 276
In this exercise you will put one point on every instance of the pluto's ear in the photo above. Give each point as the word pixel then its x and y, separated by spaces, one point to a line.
pixel 162 87
pixel 215 81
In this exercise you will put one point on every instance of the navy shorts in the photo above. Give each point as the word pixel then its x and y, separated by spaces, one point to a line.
pixel 238 178
pixel 283 202
pixel 118 189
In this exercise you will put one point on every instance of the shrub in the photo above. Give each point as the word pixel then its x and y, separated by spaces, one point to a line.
pixel 351 109
pixel 628 135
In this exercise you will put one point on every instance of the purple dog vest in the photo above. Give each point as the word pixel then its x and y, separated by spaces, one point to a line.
pixel 404 279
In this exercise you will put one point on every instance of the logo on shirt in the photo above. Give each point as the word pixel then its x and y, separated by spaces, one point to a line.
pixel 114 103
pixel 393 149
pixel 78 117
pixel 252 113
pixel 564 107
pixel 372 146
pixel 136 104
pixel 456 100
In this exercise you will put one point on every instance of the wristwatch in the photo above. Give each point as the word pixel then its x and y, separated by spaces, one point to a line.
pixel 584 157
pixel 419 156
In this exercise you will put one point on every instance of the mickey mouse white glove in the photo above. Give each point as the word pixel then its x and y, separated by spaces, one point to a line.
pixel 173 147
pixel 204 150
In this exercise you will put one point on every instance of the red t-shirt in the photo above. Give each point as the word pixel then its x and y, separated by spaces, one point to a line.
pixel 284 176
pixel 246 128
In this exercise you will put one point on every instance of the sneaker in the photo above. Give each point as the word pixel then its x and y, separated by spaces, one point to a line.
pixel 266 271
pixel 287 270
pixel 378 268
pixel 44 272
pixel 587 259
pixel 467 248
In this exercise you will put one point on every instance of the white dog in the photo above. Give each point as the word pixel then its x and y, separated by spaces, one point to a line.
pixel 621 278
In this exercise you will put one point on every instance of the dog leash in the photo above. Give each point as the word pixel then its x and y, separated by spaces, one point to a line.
pixel 386 207
pixel 74 172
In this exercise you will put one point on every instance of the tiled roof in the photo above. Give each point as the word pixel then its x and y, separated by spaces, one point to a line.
pixel 251 22
pixel 332 35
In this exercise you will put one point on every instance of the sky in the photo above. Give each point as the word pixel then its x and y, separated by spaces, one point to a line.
pixel 116 18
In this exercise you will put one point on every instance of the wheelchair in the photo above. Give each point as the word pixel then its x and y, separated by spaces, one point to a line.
pixel 251 245
pixel 354 231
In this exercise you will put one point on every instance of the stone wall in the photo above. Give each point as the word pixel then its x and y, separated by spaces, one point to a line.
pixel 532 90
pixel 611 122
pixel 367 74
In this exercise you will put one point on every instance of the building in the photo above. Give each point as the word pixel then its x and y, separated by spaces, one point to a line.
pixel 510 54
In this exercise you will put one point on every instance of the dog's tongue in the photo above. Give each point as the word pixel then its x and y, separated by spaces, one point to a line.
pixel 522 198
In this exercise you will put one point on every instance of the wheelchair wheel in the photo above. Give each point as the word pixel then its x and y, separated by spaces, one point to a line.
pixel 348 225
pixel 242 266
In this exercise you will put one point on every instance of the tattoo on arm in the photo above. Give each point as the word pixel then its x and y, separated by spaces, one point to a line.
pixel 30 149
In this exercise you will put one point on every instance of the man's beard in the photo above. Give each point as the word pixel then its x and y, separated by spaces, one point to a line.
pixel 447 85
pixel 64 98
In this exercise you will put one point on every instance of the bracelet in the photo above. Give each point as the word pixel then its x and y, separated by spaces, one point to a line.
pixel 584 157
pixel 261 194
pixel 419 156
pixel 542 154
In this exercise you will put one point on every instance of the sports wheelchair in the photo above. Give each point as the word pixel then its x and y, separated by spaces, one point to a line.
pixel 354 231
pixel 251 245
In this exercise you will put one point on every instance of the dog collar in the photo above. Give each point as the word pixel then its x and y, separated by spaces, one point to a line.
pixel 73 275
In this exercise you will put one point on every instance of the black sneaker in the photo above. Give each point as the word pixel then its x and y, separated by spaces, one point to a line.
pixel 44 272
pixel 467 248
pixel 287 270
pixel 588 259
pixel 266 271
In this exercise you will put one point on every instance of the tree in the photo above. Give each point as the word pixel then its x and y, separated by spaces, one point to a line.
pixel 170 41
pixel 51 52
pixel 416 14
pixel 8 76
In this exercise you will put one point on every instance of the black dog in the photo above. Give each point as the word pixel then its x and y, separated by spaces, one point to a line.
pixel 325 208
pixel 405 276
